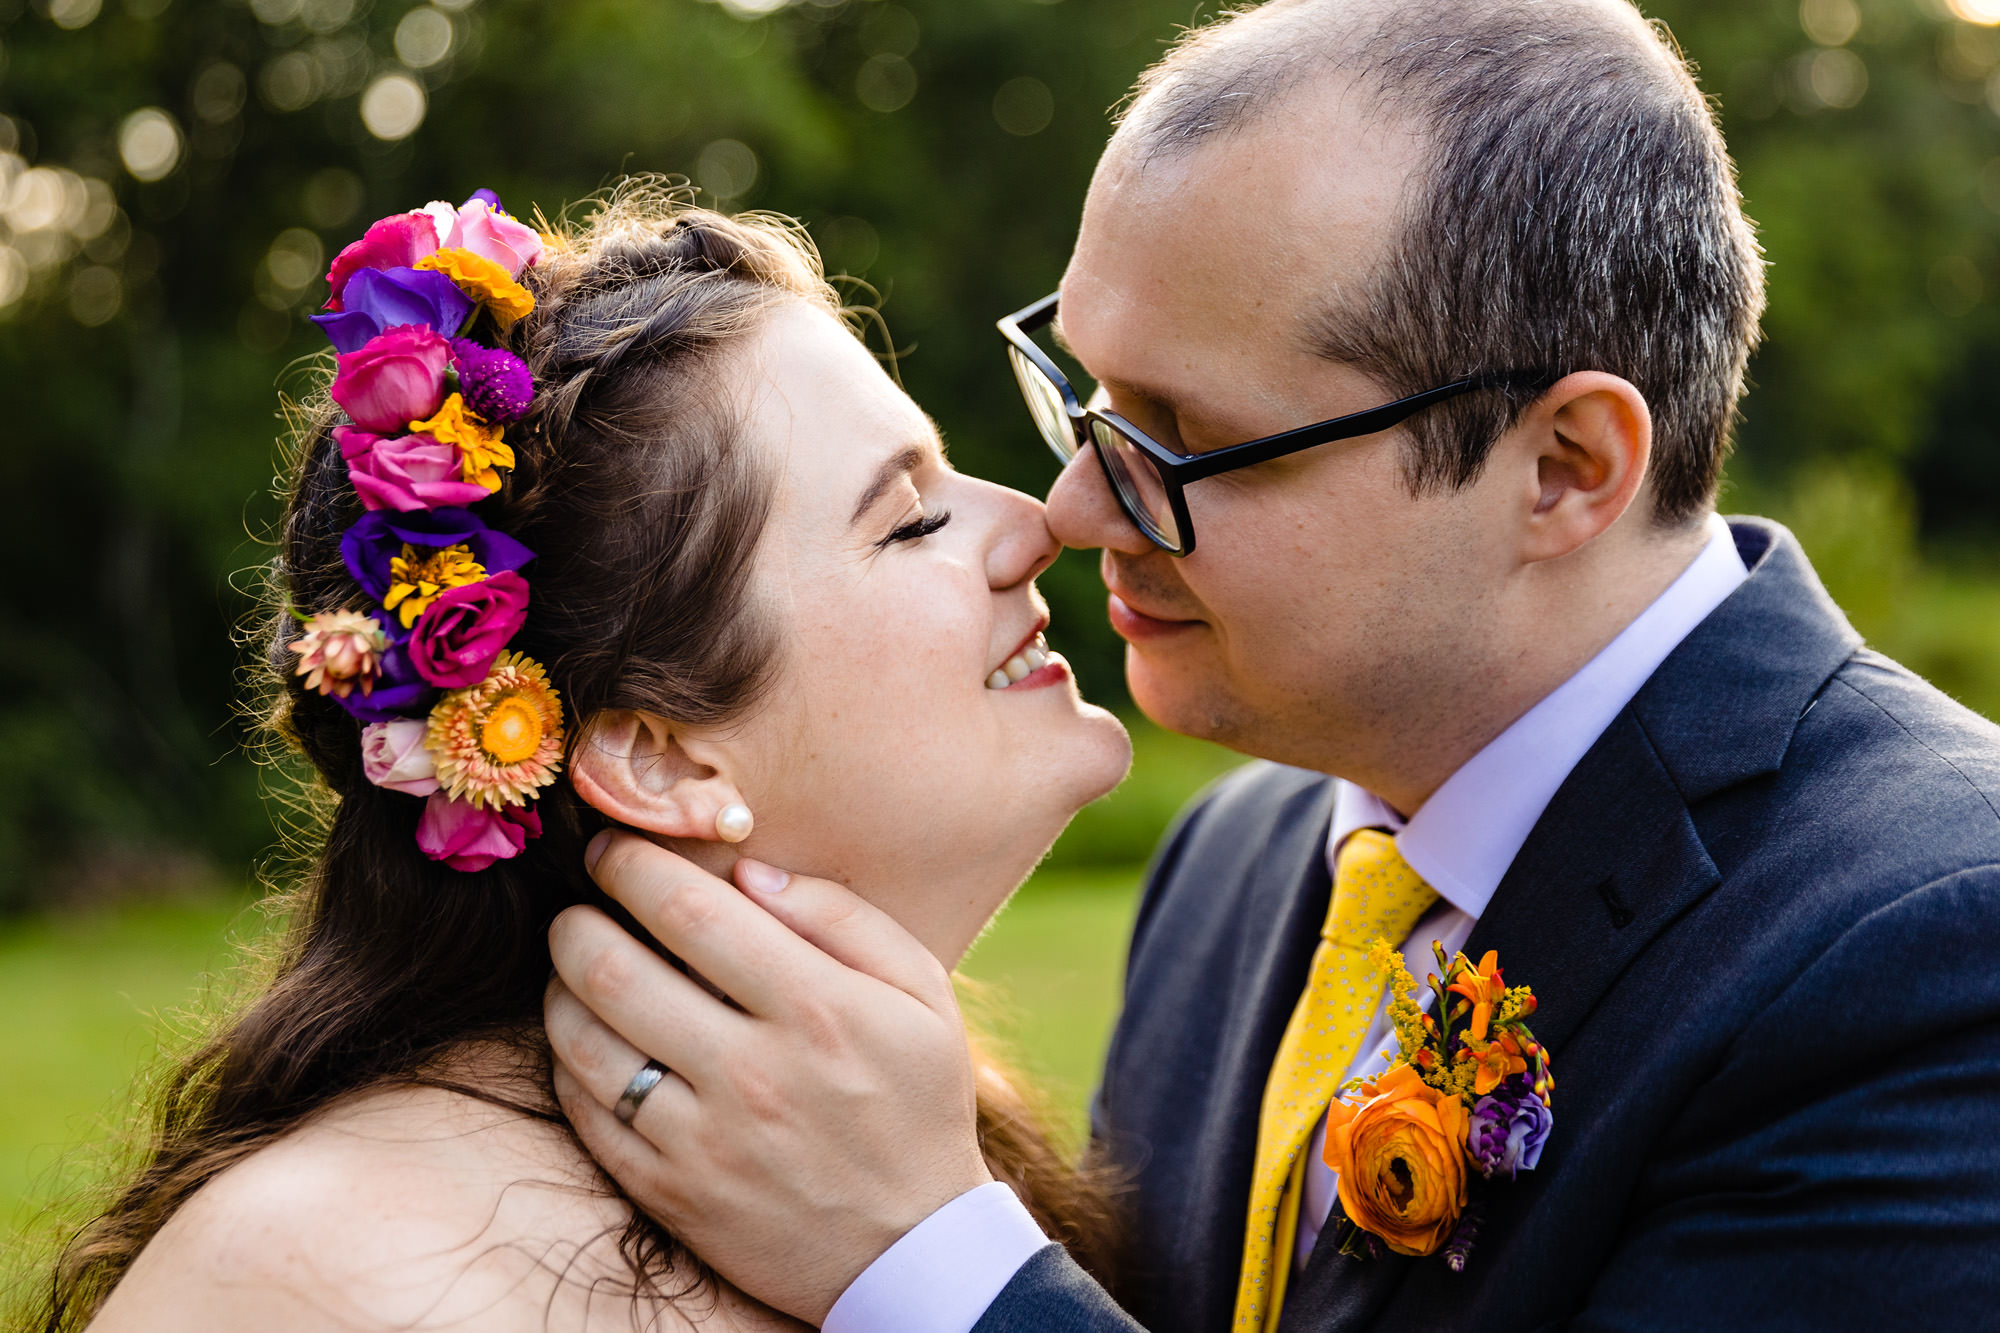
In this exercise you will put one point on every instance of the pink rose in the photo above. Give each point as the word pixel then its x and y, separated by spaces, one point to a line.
pixel 458 638
pixel 481 229
pixel 393 755
pixel 394 242
pixel 395 378
pixel 470 837
pixel 405 472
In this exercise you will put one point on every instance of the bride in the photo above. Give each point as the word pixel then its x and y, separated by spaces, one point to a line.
pixel 713 577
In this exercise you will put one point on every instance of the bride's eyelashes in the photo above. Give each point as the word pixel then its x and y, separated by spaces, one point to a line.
pixel 922 526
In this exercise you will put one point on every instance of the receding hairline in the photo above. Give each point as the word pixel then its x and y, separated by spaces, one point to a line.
pixel 1252 60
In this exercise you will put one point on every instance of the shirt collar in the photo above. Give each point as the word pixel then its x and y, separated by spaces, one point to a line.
pixel 1466 835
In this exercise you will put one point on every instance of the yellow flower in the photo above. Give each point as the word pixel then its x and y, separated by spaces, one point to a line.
pixel 420 573
pixel 499 742
pixel 480 448
pixel 1400 1155
pixel 485 282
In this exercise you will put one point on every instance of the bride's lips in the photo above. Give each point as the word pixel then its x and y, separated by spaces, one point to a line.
pixel 1135 626
pixel 1032 665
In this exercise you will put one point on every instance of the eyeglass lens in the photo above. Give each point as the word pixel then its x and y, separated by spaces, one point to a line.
pixel 1045 405
pixel 1138 482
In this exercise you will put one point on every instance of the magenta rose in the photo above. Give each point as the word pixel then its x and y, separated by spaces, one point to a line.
pixel 397 377
pixel 454 642
pixel 470 837
pixel 485 230
pixel 405 472
pixel 393 755
pixel 394 242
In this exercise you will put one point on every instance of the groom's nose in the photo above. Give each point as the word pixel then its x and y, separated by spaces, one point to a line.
pixel 1084 513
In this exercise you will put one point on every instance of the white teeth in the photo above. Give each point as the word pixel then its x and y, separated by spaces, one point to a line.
pixel 1022 664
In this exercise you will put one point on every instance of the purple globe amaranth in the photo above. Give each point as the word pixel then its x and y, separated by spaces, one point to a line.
pixel 495 382
pixel 1509 1128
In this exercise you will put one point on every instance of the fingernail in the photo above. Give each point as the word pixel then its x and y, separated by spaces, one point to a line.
pixel 595 850
pixel 757 876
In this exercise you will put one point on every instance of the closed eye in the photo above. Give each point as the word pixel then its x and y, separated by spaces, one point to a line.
pixel 917 529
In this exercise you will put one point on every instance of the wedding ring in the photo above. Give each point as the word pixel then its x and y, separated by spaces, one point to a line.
pixel 637 1090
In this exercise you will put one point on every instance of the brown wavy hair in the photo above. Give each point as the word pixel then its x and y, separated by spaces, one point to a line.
pixel 634 488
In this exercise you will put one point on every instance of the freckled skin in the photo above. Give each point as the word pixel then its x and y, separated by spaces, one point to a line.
pixel 881 758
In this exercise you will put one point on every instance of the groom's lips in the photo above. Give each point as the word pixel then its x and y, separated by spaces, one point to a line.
pixel 1136 626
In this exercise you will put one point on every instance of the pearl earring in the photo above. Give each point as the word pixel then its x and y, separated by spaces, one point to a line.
pixel 733 823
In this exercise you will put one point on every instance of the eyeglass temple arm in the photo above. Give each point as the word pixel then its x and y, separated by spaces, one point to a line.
pixel 1340 428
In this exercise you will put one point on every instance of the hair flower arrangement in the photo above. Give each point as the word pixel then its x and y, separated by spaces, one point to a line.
pixel 1466 1101
pixel 452 716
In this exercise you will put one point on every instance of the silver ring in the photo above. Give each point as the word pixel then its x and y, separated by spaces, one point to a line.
pixel 637 1090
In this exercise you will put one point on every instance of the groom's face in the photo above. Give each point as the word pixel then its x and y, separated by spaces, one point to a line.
pixel 1325 610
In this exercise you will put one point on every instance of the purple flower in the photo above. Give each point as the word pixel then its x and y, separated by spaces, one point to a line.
pixel 1508 1129
pixel 399 691
pixel 378 299
pixel 495 382
pixel 381 534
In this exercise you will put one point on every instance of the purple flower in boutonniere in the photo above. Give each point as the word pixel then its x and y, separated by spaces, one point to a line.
pixel 1510 1125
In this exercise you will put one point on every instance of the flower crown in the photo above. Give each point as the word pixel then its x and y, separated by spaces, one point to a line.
pixel 450 714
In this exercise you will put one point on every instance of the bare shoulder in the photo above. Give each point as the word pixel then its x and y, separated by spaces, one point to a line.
pixel 408 1208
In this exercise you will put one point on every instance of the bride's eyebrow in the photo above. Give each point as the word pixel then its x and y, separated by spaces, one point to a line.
pixel 893 469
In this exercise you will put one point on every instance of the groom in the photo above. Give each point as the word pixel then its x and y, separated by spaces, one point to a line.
pixel 1524 692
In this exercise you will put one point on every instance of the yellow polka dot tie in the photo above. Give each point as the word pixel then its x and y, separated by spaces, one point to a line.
pixel 1375 894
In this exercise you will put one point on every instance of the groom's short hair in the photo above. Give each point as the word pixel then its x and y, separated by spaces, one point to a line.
pixel 1577 211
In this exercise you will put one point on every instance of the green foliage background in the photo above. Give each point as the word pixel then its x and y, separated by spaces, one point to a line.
pixel 940 148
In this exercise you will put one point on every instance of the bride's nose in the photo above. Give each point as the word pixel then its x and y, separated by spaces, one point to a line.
pixel 1019 545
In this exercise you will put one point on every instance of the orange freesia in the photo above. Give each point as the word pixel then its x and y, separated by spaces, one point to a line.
pixel 1481 985
pixel 1497 1059
pixel 1400 1156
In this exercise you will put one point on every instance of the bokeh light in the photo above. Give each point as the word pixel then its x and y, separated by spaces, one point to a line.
pixel 424 37
pixel 393 107
pixel 1977 11
pixel 885 83
pixel 1830 22
pixel 727 169
pixel 150 143
pixel 73 14
pixel 1024 106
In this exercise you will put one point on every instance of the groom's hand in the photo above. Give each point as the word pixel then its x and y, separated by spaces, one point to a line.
pixel 807 1122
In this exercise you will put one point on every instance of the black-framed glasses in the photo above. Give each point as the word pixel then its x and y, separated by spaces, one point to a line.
pixel 1150 479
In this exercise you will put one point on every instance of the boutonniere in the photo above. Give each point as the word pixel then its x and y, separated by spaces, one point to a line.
pixel 1467 1097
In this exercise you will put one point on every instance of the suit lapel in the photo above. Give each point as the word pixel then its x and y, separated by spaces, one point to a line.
pixel 1290 887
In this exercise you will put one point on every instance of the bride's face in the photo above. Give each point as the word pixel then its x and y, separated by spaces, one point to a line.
pixel 901 589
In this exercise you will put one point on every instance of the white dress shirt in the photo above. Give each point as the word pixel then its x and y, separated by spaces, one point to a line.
pixel 941 1277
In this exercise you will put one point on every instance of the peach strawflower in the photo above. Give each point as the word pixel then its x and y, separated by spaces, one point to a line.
pixel 499 742
pixel 339 652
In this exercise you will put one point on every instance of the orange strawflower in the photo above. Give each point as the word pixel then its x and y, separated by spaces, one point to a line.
pixel 499 742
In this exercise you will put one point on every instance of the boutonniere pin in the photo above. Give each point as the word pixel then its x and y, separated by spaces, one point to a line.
pixel 1467 1097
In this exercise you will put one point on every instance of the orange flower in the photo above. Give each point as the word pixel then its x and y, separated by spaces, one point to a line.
pixel 1482 986
pixel 485 282
pixel 1400 1155
pixel 1497 1059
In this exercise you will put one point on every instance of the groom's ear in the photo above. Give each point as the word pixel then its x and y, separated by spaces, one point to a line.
pixel 635 768
pixel 1585 444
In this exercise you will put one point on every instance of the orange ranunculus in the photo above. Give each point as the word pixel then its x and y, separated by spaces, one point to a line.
pixel 1401 1159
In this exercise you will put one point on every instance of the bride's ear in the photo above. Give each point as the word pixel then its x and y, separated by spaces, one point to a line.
pixel 634 768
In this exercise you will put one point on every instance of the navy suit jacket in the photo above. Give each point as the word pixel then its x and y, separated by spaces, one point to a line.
pixel 1762 917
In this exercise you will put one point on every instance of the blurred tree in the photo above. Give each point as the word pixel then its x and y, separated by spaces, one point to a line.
pixel 175 173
